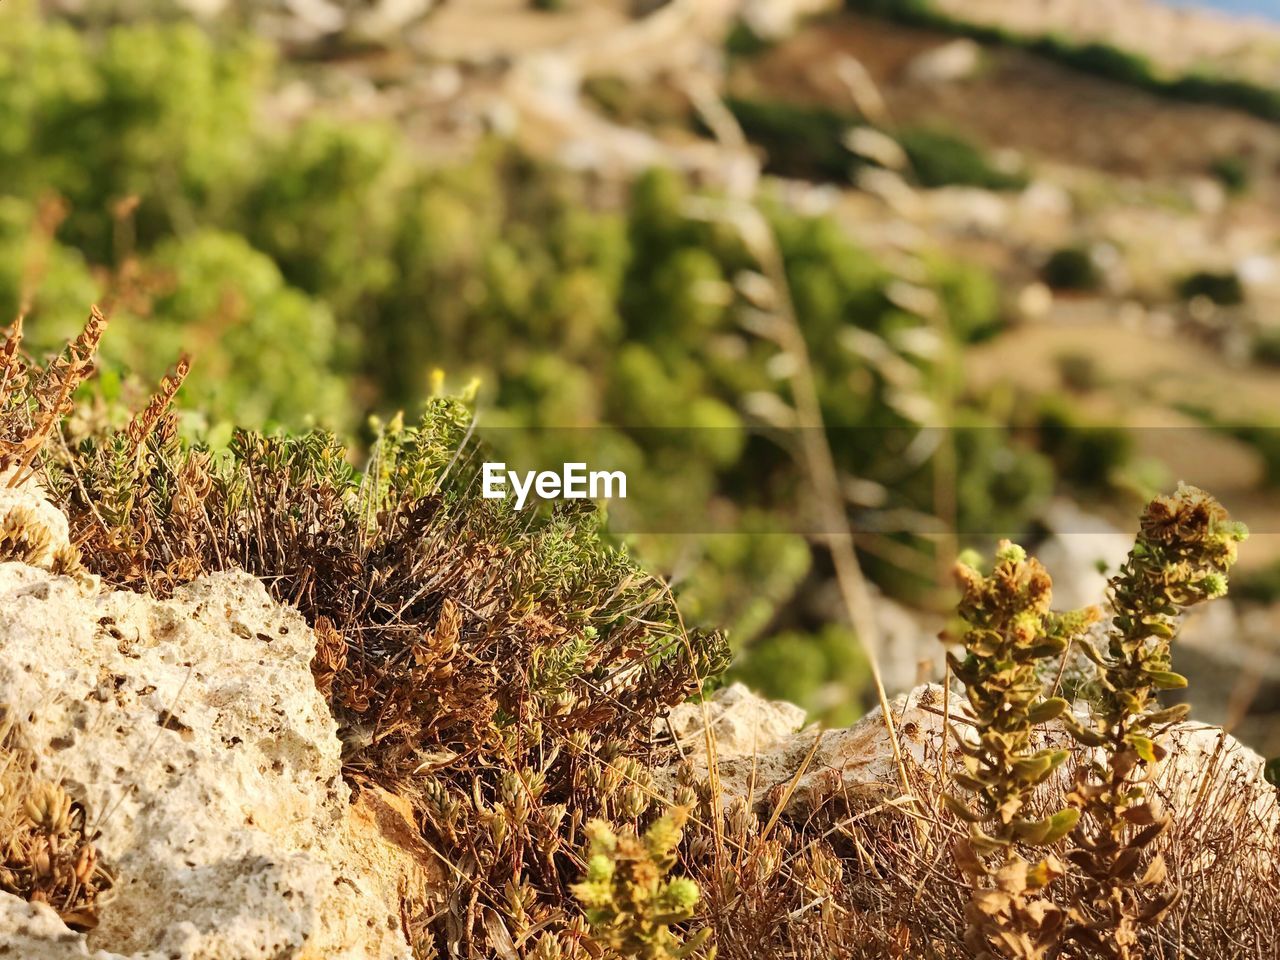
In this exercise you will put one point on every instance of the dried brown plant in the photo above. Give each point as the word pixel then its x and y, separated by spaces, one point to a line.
pixel 46 855
pixel 501 670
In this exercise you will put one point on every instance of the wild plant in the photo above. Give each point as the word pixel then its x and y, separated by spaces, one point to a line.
pixel 46 853
pixel 1008 630
pixel 1186 545
pixel 34 401
pixel 501 671
pixel 631 903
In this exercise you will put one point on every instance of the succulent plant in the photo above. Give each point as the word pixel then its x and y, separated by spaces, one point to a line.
pixel 1008 630
pixel 1186 546
pixel 630 900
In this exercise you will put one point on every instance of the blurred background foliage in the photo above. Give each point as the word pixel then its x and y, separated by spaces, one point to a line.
pixel 319 273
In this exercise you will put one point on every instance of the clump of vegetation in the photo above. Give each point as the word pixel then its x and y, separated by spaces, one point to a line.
pixel 1072 268
pixel 798 141
pixel 504 674
pixel 1186 546
pixel 46 848
pixel 1089 455
pixel 1266 346
pixel 325 280
pixel 501 674
pixel 1009 630
pixel 942 159
pixel 1233 173
pixel 743 41
pixel 1220 287
pixel 631 903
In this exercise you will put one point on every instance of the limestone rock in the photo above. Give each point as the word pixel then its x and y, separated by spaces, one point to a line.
pixel 741 722
pixel 192 732
pixel 949 63
pixel 764 748
pixel 1081 552
pixel 774 19
pixel 1207 774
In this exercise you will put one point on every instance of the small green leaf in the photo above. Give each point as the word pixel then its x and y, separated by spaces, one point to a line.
pixel 1032 769
pixel 1092 652
pixel 1167 679
pixel 1172 714
pixel 1146 748
pixel 960 809
pixel 1062 823
pixel 1047 710
pixel 1049 830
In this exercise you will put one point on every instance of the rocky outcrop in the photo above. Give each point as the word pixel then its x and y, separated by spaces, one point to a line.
pixel 192 732
pixel 761 746
pixel 762 750
pixel 775 19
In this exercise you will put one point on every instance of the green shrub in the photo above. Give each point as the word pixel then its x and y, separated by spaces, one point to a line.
pixel 744 42
pixel 1260 586
pixel 798 141
pixel 970 298
pixel 1266 346
pixel 942 159
pixel 1223 288
pixel 1085 454
pixel 1079 371
pixel 1072 268
pixel 824 669
pixel 1233 173
pixel 156 112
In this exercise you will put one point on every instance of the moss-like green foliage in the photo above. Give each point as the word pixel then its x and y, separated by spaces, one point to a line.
pixel 1186 546
pixel 631 901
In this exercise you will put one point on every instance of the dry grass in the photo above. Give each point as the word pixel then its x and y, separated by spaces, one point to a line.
pixel 857 876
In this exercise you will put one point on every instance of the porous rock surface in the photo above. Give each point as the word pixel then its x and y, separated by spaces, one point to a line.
pixel 760 745
pixel 191 730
